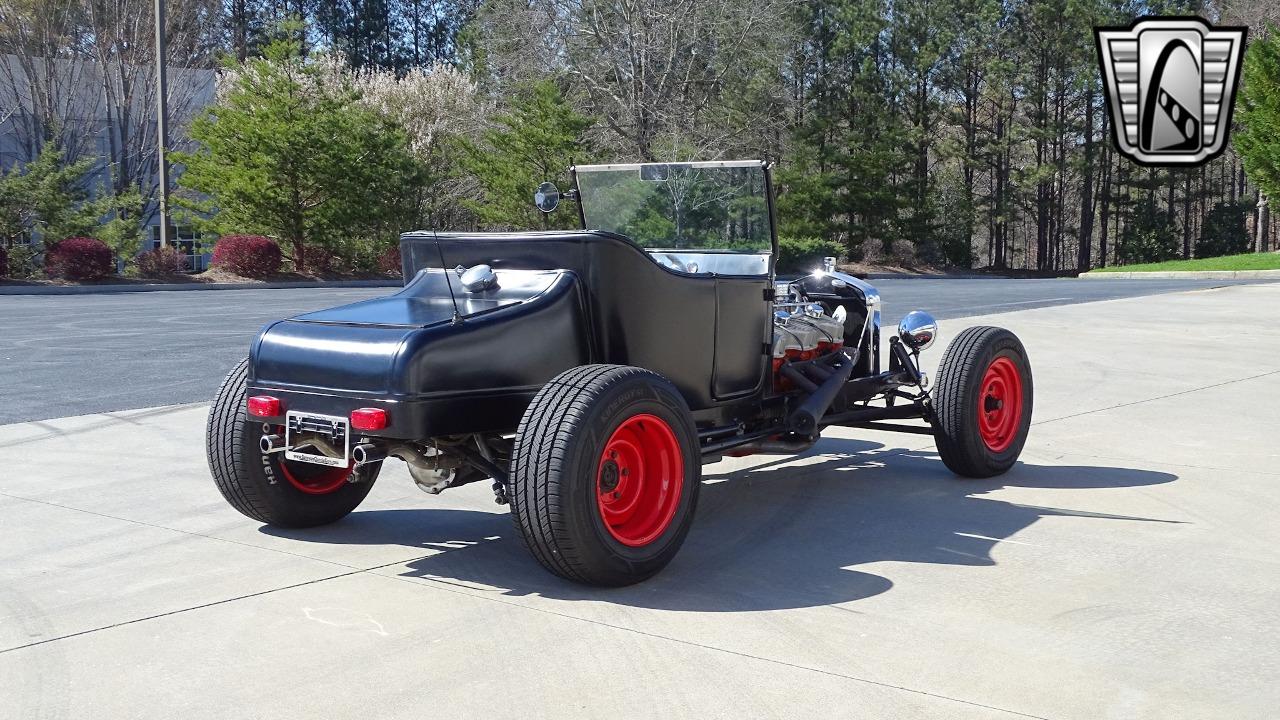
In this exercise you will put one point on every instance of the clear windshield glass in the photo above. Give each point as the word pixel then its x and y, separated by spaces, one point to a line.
pixel 695 206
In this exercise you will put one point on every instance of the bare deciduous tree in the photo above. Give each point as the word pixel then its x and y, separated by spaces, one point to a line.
pixel 82 73
pixel 40 44
pixel 123 57
pixel 659 74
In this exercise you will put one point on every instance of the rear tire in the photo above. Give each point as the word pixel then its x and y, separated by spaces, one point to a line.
pixel 605 474
pixel 268 488
pixel 982 402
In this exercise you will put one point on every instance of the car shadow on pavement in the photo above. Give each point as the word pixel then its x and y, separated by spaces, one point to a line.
pixel 783 534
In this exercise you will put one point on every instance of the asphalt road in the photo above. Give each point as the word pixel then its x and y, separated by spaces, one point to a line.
pixel 67 355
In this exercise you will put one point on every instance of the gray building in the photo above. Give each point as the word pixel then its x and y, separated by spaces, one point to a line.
pixel 103 112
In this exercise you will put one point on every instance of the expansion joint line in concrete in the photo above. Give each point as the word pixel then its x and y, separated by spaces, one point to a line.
pixel 446 586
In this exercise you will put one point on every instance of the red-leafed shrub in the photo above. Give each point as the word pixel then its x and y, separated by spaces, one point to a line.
pixel 79 258
pixel 247 255
pixel 161 261
pixel 389 261
pixel 315 259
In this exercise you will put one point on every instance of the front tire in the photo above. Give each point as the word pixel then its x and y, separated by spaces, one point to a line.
pixel 605 474
pixel 982 402
pixel 268 488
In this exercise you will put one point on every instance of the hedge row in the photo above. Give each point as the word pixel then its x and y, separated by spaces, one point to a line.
pixel 255 256
pixel 802 254
pixel 251 256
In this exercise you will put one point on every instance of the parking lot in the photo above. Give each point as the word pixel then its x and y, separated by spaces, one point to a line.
pixel 1128 567
pixel 75 354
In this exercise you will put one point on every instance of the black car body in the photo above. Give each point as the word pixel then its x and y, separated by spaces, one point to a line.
pixel 673 276
pixel 561 299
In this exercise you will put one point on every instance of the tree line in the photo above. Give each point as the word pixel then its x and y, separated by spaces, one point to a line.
pixel 966 133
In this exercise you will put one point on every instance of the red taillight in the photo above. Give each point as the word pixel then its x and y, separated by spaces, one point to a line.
pixel 265 406
pixel 369 419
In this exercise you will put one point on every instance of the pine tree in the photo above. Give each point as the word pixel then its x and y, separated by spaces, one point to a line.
pixel 534 142
pixel 849 180
pixel 1149 237
pixel 288 152
pixel 1224 232
pixel 1258 141
pixel 49 199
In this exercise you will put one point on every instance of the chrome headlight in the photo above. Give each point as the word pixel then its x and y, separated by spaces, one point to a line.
pixel 918 330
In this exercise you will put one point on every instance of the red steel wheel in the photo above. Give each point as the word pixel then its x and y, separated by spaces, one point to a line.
pixel 639 480
pixel 269 488
pixel 982 402
pixel 1000 404
pixel 605 472
pixel 314 479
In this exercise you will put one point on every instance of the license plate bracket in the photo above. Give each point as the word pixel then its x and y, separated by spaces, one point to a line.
pixel 335 429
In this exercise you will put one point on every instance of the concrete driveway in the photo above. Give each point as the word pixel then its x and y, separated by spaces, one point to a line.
pixel 1129 567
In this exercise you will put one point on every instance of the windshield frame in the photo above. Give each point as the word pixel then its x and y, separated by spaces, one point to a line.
pixel 766 167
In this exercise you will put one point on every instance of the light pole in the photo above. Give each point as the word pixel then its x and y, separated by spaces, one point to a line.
pixel 162 123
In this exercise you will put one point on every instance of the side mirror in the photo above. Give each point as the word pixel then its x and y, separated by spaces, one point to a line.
pixel 547 197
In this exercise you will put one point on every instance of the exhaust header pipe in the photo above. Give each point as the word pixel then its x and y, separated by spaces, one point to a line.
pixel 804 420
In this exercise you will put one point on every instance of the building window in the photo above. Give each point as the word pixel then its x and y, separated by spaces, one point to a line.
pixel 184 237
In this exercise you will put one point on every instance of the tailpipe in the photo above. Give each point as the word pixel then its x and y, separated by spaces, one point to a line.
pixel 366 453
pixel 272 443
pixel 804 420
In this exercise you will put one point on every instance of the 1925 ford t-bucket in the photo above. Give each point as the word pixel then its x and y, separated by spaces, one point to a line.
pixel 588 375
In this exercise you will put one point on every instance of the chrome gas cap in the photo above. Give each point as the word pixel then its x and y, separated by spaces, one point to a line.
pixel 479 278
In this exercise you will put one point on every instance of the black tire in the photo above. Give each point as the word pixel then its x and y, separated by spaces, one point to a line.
pixel 254 483
pixel 960 397
pixel 559 471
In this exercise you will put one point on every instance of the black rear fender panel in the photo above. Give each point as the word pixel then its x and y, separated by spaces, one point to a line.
pixel 444 379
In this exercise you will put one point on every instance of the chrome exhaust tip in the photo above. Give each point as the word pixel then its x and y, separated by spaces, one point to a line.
pixel 366 453
pixel 272 444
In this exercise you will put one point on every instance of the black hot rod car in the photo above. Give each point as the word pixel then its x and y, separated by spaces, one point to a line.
pixel 589 374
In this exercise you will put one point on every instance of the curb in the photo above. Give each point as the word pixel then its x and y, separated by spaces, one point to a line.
pixel 943 276
pixel 173 287
pixel 1186 275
